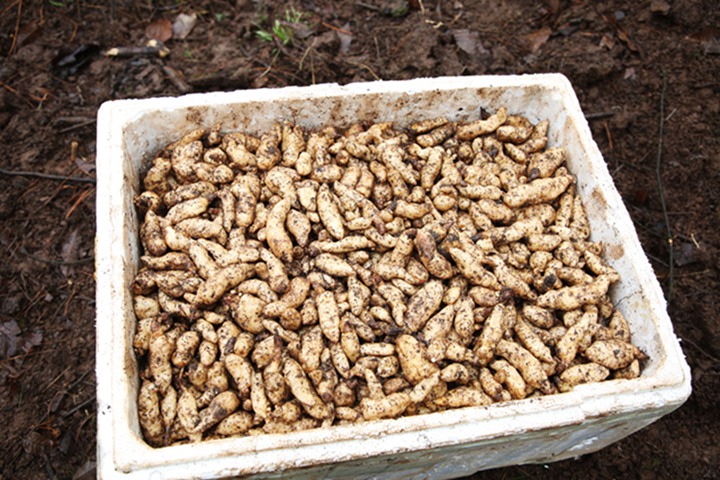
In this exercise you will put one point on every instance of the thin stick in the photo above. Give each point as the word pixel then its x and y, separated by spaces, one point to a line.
pixel 79 261
pixel 599 115
pixel 56 379
pixel 9 7
pixel 76 126
pixel 48 176
pixel 29 354
pixel 337 29
pixel 46 260
pixel 305 54
pixel 78 407
pixel 709 355
pixel 661 190
pixel 16 93
pixel 17 29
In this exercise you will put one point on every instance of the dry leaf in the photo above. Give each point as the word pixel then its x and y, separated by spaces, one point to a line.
pixel 161 30
pixel 607 41
pixel 537 39
pixel 13 343
pixel 467 40
pixel 622 35
pixel 345 38
pixel 183 25
pixel 69 251
pixel 704 35
pixel 625 38
pixel 84 165
pixel 553 6
pixel 687 253
pixel 9 339
pixel 709 38
pixel 660 7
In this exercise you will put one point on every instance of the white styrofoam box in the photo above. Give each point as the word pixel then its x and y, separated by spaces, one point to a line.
pixel 439 445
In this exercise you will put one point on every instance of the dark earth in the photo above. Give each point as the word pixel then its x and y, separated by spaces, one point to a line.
pixel 647 74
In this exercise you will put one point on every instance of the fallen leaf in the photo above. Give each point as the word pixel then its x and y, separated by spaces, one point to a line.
pixel 553 6
pixel 13 343
pixel 630 74
pixel 69 251
pixel 161 30
pixel 660 7
pixel 537 39
pixel 303 30
pixel 87 472
pixel 621 34
pixel 709 38
pixel 607 41
pixel 345 38
pixel 29 33
pixel 85 166
pixel 567 29
pixel 183 25
pixel 9 339
pixel 704 35
pixel 625 38
pixel 687 253
pixel 712 48
pixel 467 40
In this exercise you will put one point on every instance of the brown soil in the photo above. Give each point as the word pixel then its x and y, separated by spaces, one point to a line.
pixel 633 65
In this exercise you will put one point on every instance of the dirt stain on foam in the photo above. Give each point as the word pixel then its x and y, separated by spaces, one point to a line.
pixel 614 251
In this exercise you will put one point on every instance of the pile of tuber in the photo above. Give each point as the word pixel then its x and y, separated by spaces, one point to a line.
pixel 302 279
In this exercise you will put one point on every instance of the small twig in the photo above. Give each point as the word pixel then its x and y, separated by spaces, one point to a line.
pixel 46 260
pixel 370 70
pixel 78 407
pixel 8 7
pixel 608 135
pixel 79 261
pixel 48 466
pixel 670 115
pixel 312 69
pixel 709 355
pixel 77 382
pixel 599 115
pixel 56 379
pixel 653 257
pixel 661 191
pixel 17 29
pixel 29 354
pixel 76 126
pixel 16 93
pixel 177 79
pixel 48 176
pixel 152 48
pixel 363 66
pixel 337 29
pixel 78 201
pixel 368 6
pixel 305 54
pixel 267 70
pixel 634 166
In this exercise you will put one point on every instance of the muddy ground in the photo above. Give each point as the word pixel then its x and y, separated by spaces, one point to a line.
pixel 647 74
